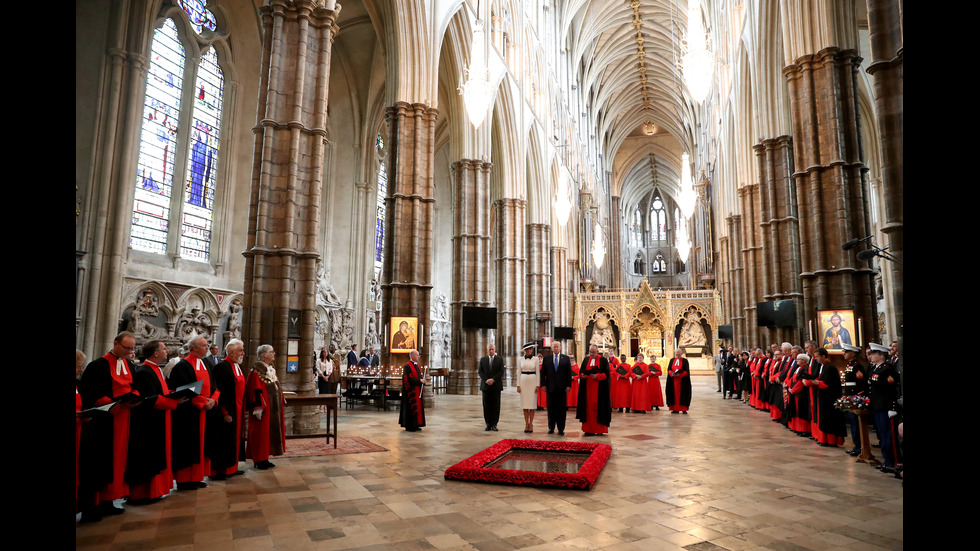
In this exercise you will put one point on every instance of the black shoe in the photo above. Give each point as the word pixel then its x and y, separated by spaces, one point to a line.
pixel 561 433
pixel 91 515
pixel 675 412
pixel 202 484
pixel 684 412
pixel 237 473
pixel 551 431
pixel 108 509
pixel 487 429
pixel 494 428
pixel 187 486
pixel 263 465
pixel 588 434
pixel 219 476
pixel 658 408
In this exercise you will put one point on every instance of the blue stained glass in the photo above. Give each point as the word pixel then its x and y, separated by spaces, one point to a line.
pixel 158 142
pixel 202 163
pixel 199 15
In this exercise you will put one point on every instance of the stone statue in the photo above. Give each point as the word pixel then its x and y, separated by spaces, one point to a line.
pixel 440 307
pixel 325 293
pixel 602 332
pixel 372 339
pixel 692 334
pixel 144 331
pixel 191 324
pixel 234 320
pixel 348 323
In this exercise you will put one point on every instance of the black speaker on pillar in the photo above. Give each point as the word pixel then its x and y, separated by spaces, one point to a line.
pixel 726 331
pixel 776 313
pixel 564 333
pixel 479 317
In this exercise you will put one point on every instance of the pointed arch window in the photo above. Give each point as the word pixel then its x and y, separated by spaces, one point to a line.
pixel 180 137
pixel 658 219
pixel 381 212
pixel 636 229
pixel 659 266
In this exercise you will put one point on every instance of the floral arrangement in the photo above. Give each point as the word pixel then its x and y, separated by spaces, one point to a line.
pixel 475 467
pixel 852 403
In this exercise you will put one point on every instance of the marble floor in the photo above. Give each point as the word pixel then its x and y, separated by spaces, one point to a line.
pixel 723 477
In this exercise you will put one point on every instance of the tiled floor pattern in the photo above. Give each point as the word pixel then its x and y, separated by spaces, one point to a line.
pixel 723 477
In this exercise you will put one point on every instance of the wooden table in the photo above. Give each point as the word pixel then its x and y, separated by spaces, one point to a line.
pixel 329 400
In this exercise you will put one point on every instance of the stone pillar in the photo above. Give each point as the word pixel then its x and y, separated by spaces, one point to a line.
pixel 751 253
pixel 287 176
pixel 780 231
pixel 831 185
pixel 725 279
pixel 559 286
pixel 886 67
pixel 737 278
pixel 615 245
pixel 538 291
pixel 510 281
pixel 471 269
pixel 406 284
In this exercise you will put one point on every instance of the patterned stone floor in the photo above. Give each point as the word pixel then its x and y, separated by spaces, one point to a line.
pixel 723 477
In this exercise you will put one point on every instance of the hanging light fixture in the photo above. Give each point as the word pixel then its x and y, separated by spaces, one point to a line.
pixel 649 128
pixel 563 205
pixel 598 246
pixel 688 197
pixel 698 63
pixel 682 242
pixel 476 90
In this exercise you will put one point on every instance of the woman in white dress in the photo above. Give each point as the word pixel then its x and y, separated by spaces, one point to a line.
pixel 528 384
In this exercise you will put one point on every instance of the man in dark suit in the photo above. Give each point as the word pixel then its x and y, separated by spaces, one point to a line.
pixel 373 357
pixel 556 379
pixel 491 383
pixel 352 356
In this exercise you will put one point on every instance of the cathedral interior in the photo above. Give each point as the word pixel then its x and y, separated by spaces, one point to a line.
pixel 645 172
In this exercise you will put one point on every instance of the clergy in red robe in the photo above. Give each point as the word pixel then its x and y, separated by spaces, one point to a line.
pixel 148 472
pixel 656 392
pixel 679 383
pixel 226 431
pixel 266 406
pixel 831 422
pixel 797 408
pixel 640 373
pixel 542 392
pixel 412 413
pixel 593 395
pixel 573 394
pixel 105 439
pixel 621 388
pixel 189 463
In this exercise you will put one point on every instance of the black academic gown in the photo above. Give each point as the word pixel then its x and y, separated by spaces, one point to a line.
pixel 603 407
pixel 147 430
pixel 223 439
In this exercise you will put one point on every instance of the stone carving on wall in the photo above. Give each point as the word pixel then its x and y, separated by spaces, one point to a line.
pixel 193 324
pixel 326 295
pixel 234 320
pixel 440 332
pixel 602 334
pixel 372 339
pixel 146 305
pixel 692 334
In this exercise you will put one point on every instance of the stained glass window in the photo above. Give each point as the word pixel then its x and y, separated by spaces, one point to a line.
pixel 658 219
pixel 202 165
pixel 636 233
pixel 199 15
pixel 158 142
pixel 180 135
pixel 379 226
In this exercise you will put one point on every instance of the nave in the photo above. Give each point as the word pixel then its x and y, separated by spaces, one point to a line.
pixel 723 477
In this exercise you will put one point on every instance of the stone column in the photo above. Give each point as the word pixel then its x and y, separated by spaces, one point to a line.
pixel 886 67
pixel 831 185
pixel 737 278
pixel 725 279
pixel 751 251
pixel 287 176
pixel 538 291
pixel 406 284
pixel 615 245
pixel 471 269
pixel 510 281
pixel 559 286
pixel 780 231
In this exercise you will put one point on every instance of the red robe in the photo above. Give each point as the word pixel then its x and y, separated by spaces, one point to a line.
pixel 621 391
pixel 640 400
pixel 201 467
pixel 264 437
pixel 412 413
pixel 542 391
pixel 573 394
pixel 161 484
pixel 795 384
pixel 590 419
pixel 680 380
pixel 653 384
pixel 122 381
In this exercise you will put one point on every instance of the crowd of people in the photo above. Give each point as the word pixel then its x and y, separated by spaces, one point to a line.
pixel 144 426
pixel 799 387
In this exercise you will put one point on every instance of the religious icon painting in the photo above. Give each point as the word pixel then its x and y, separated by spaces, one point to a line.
pixel 837 328
pixel 404 334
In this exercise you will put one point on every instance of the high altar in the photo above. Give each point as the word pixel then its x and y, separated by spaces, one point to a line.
pixel 653 323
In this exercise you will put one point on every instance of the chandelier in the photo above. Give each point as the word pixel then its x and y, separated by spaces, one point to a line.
pixel 598 246
pixel 682 242
pixel 476 90
pixel 698 62
pixel 688 197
